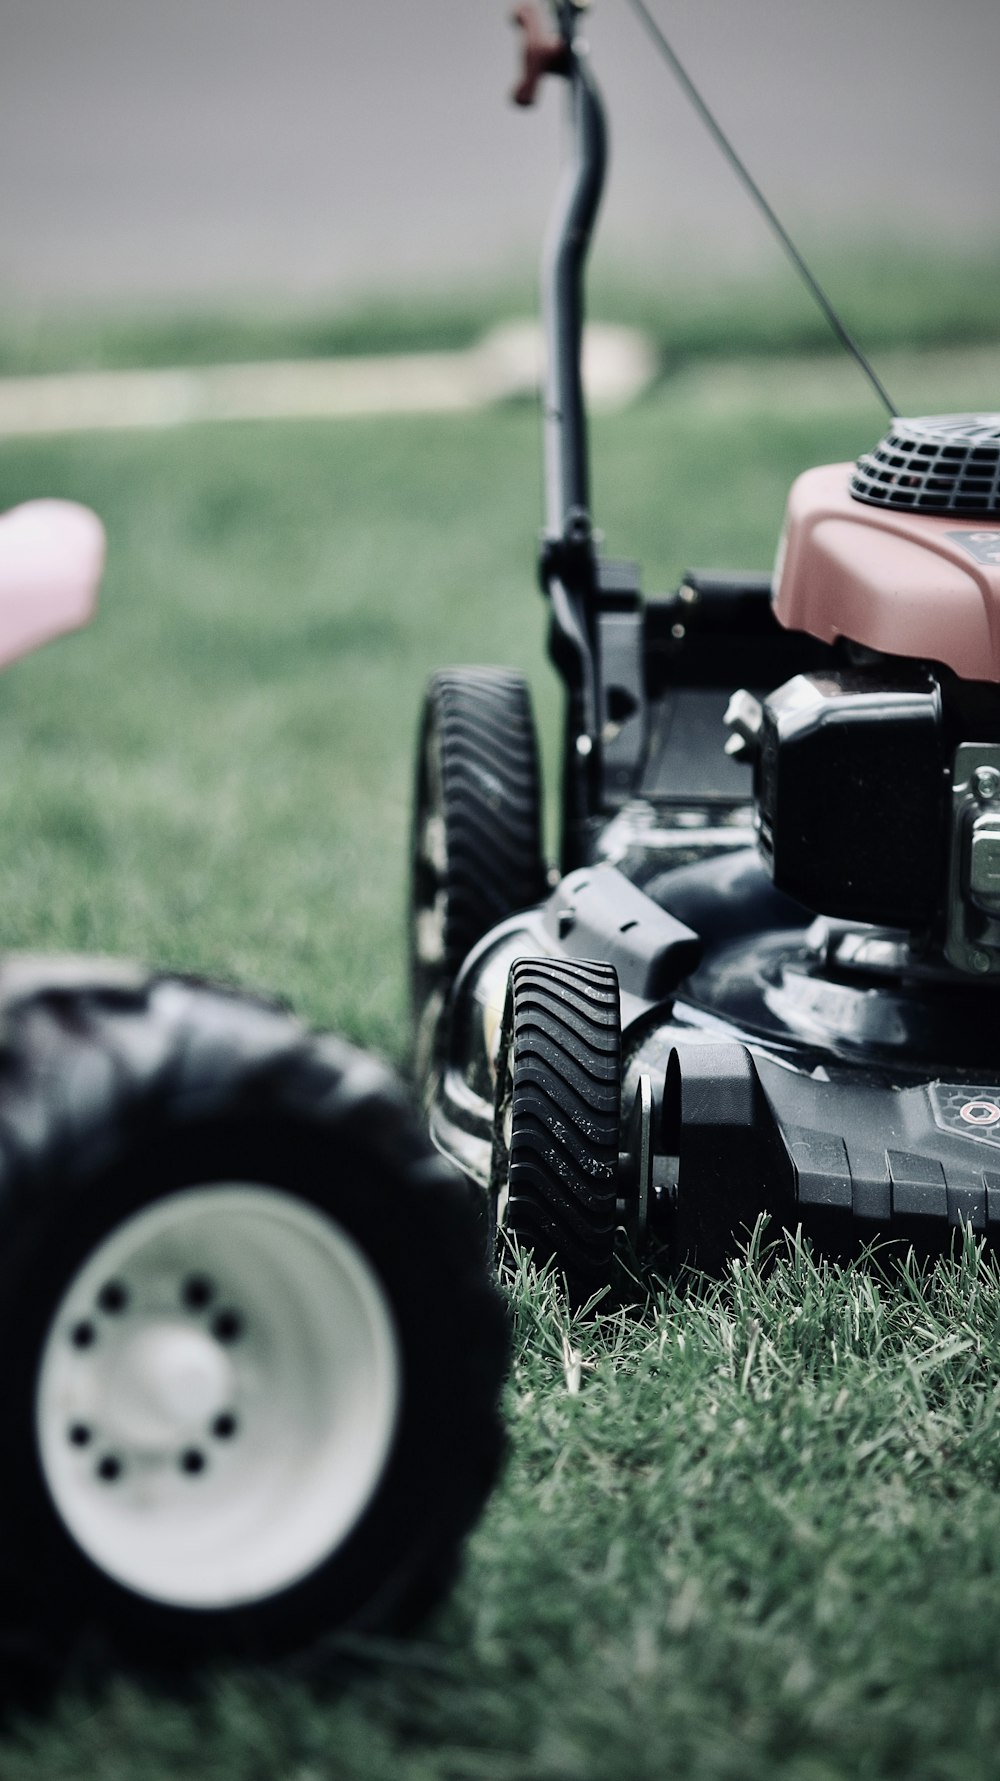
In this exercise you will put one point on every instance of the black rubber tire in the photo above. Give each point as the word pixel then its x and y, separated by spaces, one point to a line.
pixel 558 1118
pixel 476 846
pixel 117 1089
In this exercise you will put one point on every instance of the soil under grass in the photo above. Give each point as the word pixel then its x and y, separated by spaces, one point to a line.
pixel 754 1531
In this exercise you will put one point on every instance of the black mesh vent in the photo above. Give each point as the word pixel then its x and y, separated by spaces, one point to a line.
pixel 947 463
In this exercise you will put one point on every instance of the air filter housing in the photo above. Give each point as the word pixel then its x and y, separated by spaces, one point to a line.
pixel 944 463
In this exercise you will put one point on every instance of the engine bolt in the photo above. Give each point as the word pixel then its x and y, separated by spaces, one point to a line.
pixel 980 961
pixel 987 783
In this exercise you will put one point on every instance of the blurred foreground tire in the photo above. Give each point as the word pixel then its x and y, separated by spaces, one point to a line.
pixel 251 1352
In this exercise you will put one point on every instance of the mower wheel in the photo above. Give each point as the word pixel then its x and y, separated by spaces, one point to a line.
pixel 252 1354
pixel 476 852
pixel 558 1116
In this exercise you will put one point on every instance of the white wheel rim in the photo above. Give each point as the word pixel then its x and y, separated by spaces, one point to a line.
pixel 217 1395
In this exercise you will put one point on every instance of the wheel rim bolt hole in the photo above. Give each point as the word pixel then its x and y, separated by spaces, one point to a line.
pixel 79 1434
pixel 225 1426
pixel 110 1468
pixel 227 1326
pixel 83 1335
pixel 192 1461
pixel 113 1298
pixel 197 1292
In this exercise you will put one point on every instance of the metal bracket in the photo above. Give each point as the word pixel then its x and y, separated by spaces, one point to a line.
pixel 638 1172
pixel 620 634
pixel 972 940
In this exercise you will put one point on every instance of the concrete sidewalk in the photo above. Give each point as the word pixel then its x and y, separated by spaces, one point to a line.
pixel 618 364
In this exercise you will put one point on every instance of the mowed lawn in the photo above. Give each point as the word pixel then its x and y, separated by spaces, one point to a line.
pixel 754 1532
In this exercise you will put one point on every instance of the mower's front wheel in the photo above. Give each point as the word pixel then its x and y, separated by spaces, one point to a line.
pixel 558 1118
pixel 251 1352
pixel 476 852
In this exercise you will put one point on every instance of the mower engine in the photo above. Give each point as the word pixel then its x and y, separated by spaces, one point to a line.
pixel 877 784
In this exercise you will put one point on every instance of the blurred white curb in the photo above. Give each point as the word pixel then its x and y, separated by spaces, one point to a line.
pixel 618 362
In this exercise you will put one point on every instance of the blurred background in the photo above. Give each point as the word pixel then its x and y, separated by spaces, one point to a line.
pixel 317 149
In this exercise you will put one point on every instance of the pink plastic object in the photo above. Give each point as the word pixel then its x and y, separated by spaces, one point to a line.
pixel 918 585
pixel 51 559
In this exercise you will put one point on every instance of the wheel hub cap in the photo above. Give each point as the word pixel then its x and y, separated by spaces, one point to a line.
pixel 164 1380
pixel 217 1395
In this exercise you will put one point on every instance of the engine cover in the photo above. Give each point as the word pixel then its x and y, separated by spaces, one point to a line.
pixel 905 583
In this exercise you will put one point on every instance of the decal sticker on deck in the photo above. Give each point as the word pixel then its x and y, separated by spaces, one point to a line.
pixel 965 1108
pixel 984 546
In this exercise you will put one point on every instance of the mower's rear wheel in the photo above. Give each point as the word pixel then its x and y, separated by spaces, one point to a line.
pixel 476 853
pixel 558 1118
pixel 252 1354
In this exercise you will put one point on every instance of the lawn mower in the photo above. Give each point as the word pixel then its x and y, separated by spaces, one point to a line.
pixel 762 980
pixel 252 1346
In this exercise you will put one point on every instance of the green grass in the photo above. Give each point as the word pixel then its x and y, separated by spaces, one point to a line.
pixel 762 1538
pixel 42 341
pixel 891 295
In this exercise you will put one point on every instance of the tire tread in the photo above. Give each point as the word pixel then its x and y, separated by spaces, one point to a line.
pixel 561 1043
